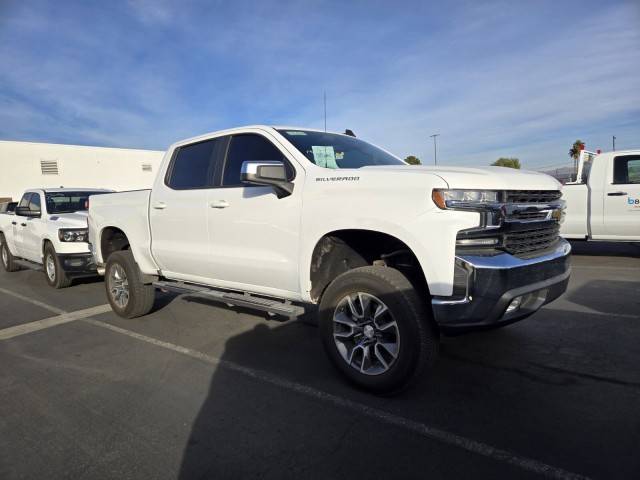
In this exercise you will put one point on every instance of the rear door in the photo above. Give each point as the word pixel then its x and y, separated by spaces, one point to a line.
pixel 178 211
pixel 622 199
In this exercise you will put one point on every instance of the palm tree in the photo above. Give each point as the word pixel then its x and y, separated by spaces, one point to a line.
pixel 574 152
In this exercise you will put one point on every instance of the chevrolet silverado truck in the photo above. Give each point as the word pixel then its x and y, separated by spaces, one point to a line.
pixel 48 231
pixel 603 203
pixel 391 254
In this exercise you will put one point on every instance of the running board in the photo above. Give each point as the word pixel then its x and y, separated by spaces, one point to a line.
pixel 271 306
pixel 28 264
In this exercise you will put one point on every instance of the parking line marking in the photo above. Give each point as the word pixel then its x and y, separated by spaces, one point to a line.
pixel 33 301
pixel 577 308
pixel 30 327
pixel 422 429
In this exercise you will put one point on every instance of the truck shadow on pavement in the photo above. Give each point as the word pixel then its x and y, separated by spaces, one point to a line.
pixel 536 371
pixel 608 249
pixel 613 297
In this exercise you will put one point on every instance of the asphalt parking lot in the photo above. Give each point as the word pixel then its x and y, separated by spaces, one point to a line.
pixel 198 390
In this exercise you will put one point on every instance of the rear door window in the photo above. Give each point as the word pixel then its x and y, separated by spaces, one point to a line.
pixel 626 169
pixel 194 165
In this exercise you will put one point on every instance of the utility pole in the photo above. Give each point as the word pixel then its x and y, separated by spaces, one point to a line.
pixel 614 143
pixel 435 148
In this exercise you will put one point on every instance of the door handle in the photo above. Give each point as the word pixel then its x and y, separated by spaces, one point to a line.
pixel 23 224
pixel 219 204
pixel 160 206
pixel 14 223
pixel 616 194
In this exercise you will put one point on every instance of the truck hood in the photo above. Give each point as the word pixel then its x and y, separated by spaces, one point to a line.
pixel 69 220
pixel 487 178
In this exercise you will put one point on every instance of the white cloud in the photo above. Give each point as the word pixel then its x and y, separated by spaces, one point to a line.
pixel 490 80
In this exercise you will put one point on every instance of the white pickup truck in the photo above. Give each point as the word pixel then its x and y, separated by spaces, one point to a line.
pixel 604 202
pixel 393 254
pixel 48 230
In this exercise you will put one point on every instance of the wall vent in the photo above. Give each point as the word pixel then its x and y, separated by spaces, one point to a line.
pixel 146 167
pixel 49 167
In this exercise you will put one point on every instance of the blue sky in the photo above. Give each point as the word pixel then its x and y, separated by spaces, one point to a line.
pixel 493 79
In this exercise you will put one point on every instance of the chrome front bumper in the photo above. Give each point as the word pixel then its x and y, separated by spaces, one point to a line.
pixel 499 282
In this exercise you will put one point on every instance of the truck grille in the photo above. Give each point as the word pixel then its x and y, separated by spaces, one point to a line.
pixel 532 196
pixel 525 223
pixel 529 216
pixel 531 240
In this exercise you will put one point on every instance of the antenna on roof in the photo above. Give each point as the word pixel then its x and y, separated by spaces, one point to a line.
pixel 325 110
pixel 349 132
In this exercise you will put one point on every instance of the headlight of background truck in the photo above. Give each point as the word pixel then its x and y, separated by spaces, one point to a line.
pixel 73 234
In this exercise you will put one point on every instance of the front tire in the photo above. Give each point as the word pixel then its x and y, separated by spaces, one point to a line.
pixel 5 257
pixel 376 329
pixel 128 295
pixel 54 273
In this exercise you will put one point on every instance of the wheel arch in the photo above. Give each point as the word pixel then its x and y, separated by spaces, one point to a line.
pixel 43 245
pixel 7 242
pixel 340 250
pixel 112 239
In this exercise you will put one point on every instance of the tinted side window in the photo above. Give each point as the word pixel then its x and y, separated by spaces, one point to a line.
pixel 193 165
pixel 245 148
pixel 34 204
pixel 626 169
pixel 24 201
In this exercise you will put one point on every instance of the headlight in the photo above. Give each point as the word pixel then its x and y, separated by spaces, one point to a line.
pixel 464 199
pixel 73 234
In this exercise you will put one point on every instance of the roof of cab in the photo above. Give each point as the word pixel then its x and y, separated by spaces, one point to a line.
pixel 63 189
pixel 230 131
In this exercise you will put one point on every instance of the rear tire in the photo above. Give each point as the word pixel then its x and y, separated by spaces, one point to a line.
pixel 53 271
pixel 6 259
pixel 376 329
pixel 128 296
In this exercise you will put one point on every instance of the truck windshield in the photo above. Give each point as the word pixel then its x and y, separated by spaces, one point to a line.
pixel 330 150
pixel 68 202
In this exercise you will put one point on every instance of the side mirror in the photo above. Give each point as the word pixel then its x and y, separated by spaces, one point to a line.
pixel 26 212
pixel 267 173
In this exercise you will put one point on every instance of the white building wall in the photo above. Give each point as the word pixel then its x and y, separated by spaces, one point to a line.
pixel 78 166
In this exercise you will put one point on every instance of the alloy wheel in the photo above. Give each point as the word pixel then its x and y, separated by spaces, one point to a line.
pixel 366 333
pixel 50 267
pixel 119 286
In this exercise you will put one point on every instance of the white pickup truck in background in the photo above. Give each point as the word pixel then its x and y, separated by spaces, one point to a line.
pixel 604 202
pixel 392 254
pixel 48 230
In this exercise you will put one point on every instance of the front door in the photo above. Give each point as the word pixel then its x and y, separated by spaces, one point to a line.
pixel 18 224
pixel 32 228
pixel 622 199
pixel 254 235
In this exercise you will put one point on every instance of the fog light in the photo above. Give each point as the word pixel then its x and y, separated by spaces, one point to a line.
pixel 514 305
